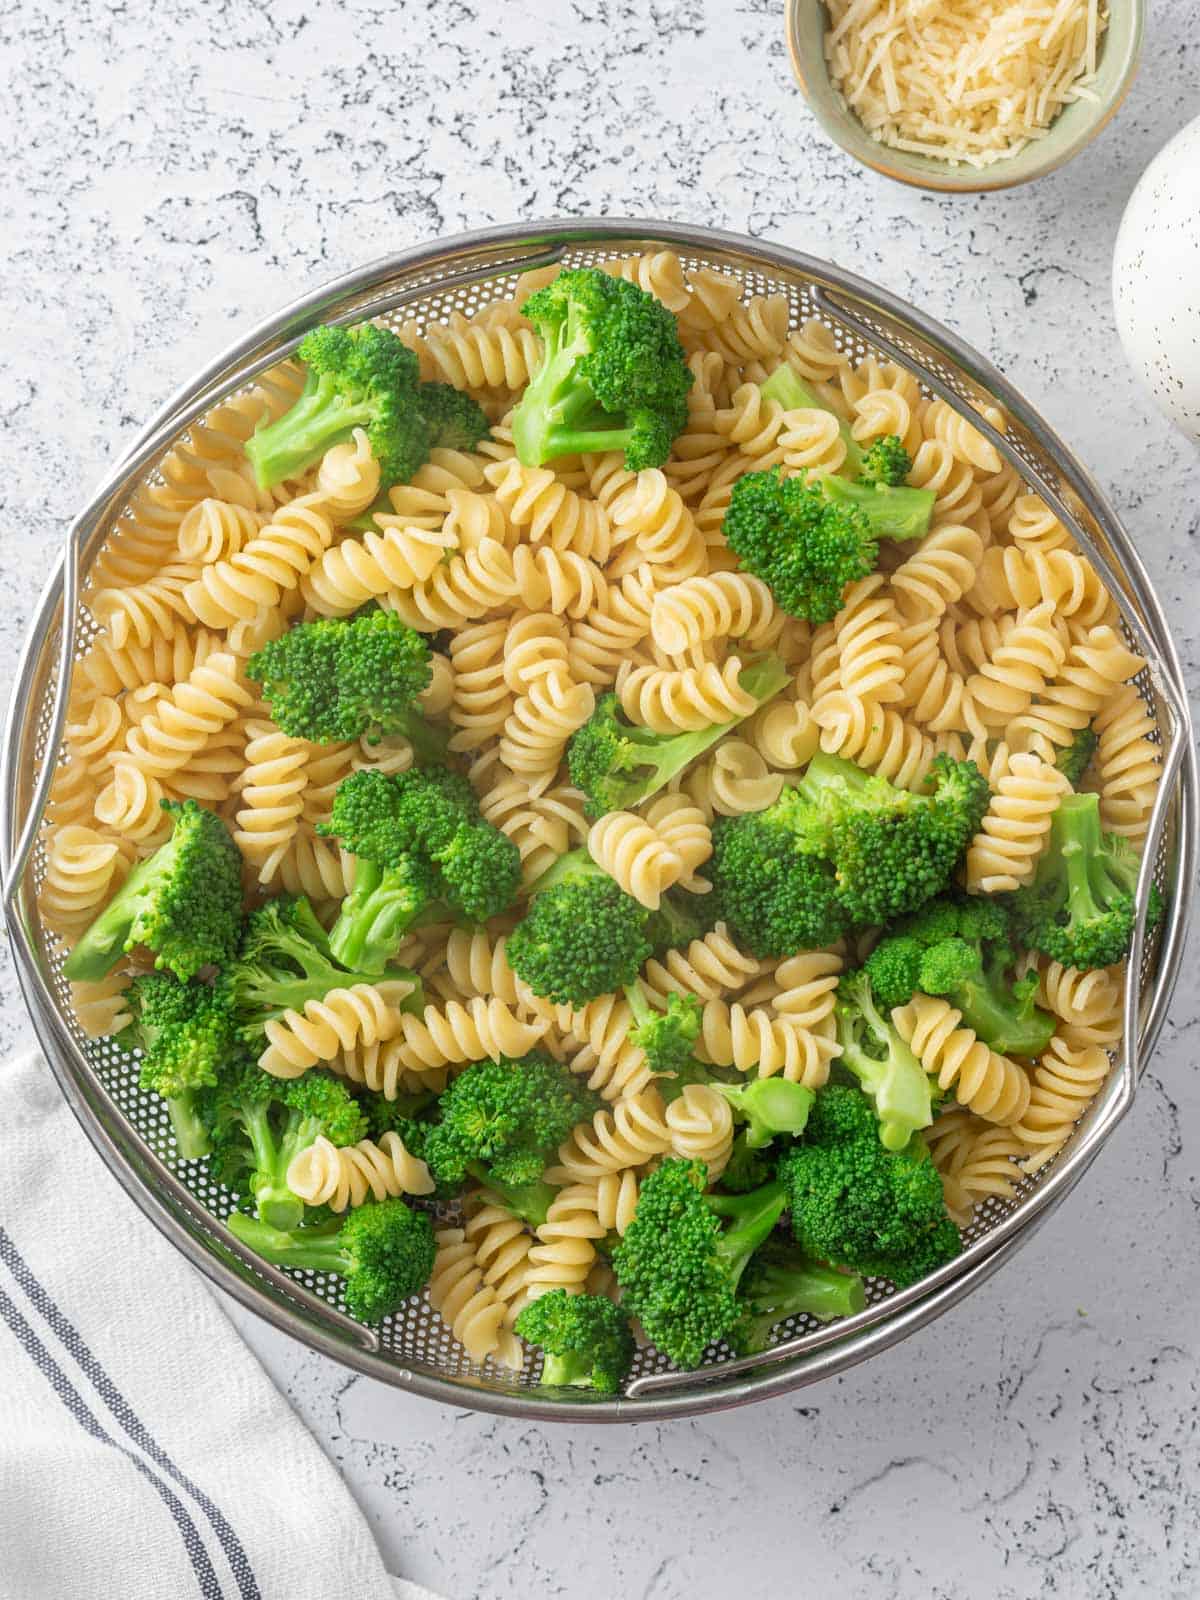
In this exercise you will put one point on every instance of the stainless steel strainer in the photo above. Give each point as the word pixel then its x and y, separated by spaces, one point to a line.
pixel 129 1128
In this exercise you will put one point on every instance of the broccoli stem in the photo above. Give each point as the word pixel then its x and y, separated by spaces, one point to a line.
pixel 429 742
pixel 321 418
pixel 1081 849
pixel 571 1369
pixel 893 511
pixel 318 1248
pixel 374 918
pixel 793 395
pixel 753 1216
pixel 1009 1021
pixel 529 1201
pixel 191 1135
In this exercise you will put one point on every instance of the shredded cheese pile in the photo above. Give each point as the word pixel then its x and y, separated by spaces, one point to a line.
pixel 964 80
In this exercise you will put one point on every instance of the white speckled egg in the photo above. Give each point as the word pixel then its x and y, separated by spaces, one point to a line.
pixel 1156 279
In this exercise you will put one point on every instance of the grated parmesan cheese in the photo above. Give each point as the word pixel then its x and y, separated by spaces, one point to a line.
pixel 963 80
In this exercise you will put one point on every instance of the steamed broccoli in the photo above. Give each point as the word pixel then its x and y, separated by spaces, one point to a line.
pixel 776 897
pixel 582 935
pixel 383 1249
pixel 619 764
pixel 666 1036
pixel 283 962
pixel 343 678
pixel 452 419
pixel 1074 761
pixel 856 1204
pixel 1081 906
pixel 184 902
pixel 613 377
pixel 422 850
pixel 891 849
pixel 260 1123
pixel 888 1072
pixel 586 1339
pixel 362 377
pixel 960 947
pixel 808 541
pixel 886 461
pixel 185 1033
pixel 781 1282
pixel 679 1268
pixel 747 1167
pixel 505 1119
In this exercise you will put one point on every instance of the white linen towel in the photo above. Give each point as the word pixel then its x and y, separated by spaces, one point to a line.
pixel 144 1452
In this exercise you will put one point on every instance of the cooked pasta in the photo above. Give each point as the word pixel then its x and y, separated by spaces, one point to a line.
pixel 1065 1082
pixel 469 1306
pixel 81 866
pixel 701 1127
pixel 627 1136
pixel 987 1083
pixel 326 1174
pixel 755 1040
pixel 636 855
pixel 362 1014
pixel 1016 827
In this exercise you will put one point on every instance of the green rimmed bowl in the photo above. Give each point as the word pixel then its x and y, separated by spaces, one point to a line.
pixel 1074 128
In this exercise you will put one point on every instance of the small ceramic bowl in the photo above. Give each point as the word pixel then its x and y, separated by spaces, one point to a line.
pixel 1076 126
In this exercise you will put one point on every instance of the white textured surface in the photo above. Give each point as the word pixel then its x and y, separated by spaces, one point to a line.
pixel 183 169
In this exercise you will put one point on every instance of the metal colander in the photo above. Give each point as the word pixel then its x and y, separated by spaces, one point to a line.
pixel 130 1129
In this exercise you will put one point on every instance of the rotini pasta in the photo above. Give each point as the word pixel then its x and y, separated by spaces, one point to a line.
pixel 362 1014
pixel 987 1083
pixel 325 1174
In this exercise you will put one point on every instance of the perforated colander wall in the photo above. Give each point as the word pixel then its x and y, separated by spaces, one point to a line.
pixel 416 1337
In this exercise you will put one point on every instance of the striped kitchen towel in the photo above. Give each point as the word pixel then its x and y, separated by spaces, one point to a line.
pixel 144 1452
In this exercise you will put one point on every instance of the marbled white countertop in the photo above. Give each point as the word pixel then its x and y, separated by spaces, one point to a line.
pixel 173 172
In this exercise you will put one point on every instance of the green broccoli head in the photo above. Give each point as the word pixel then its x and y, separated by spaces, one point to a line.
pixel 776 896
pixel 585 1337
pixel 1082 904
pixel 422 850
pixel 749 1166
pixel 344 678
pixel 183 903
pixel 667 1036
pixel 885 461
pixel 362 377
pixel 1074 761
pixel 891 849
pixel 452 419
pixel 384 1251
pixel 856 1204
pixel 619 764
pixel 185 1033
pixel 614 375
pixel 507 1118
pixel 893 968
pixel 582 935
pixel 683 1255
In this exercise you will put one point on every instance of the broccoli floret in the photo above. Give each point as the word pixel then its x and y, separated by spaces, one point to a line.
pixel 775 896
pixel 342 678
pixel 586 1339
pixel 747 1167
pixel 781 1282
pixel 678 1268
pixel 422 851
pixel 1081 907
pixel 619 764
pixel 614 375
pixel 680 918
pixel 856 1204
pixel 186 1035
pixel 260 1123
pixel 504 1119
pixel 384 1251
pixel 1074 761
pixel 785 386
pixel 184 903
pixel 893 968
pixel 283 962
pixel 666 1036
pixel 886 461
pixel 453 420
pixel 770 1107
pixel 888 1072
pixel 891 849
pixel 582 935
pixel 361 377
pixel 808 541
